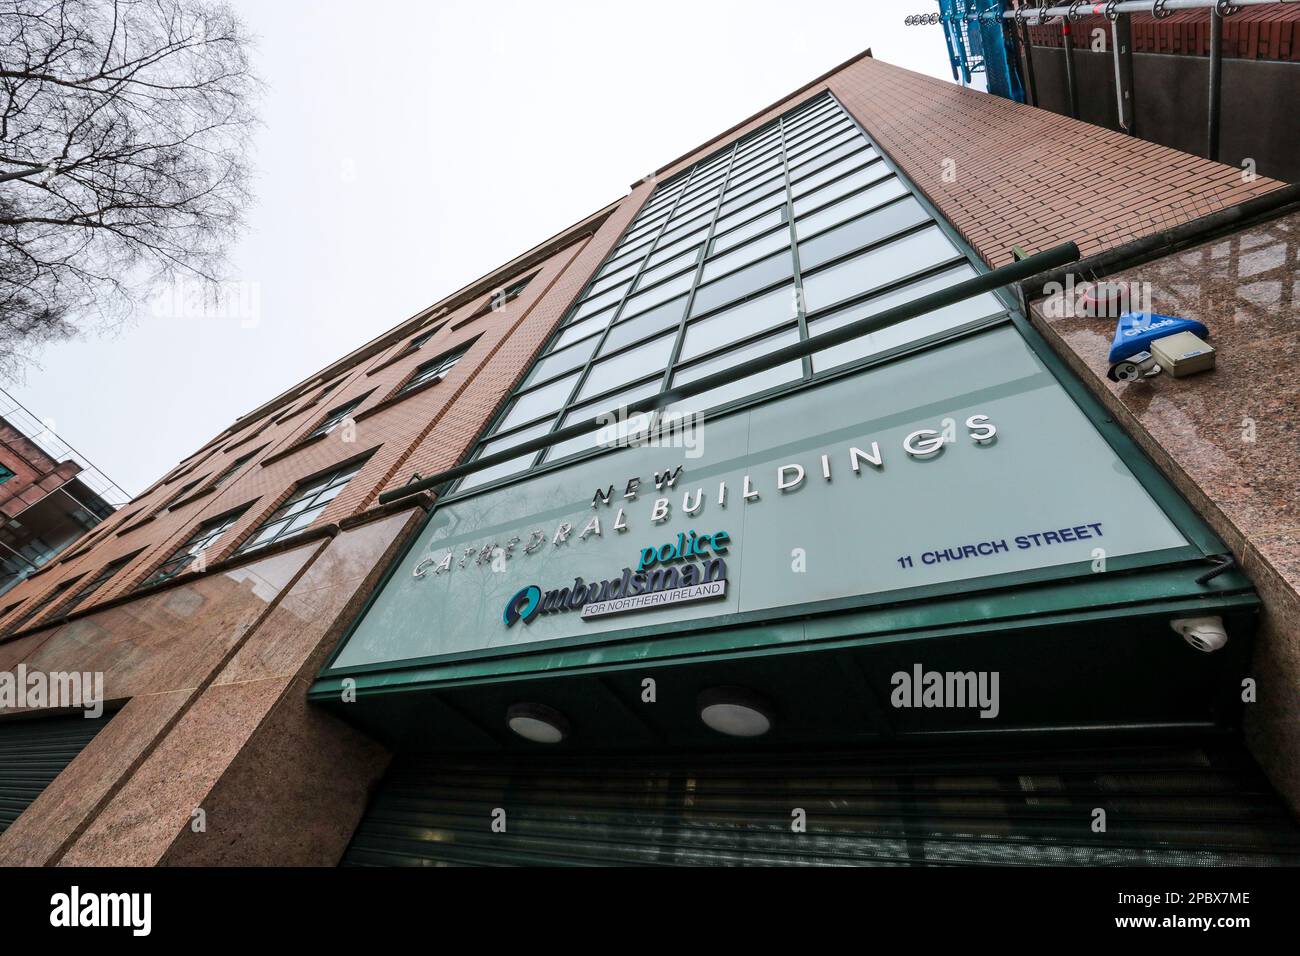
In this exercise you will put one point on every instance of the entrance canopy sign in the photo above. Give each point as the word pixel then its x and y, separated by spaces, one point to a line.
pixel 942 471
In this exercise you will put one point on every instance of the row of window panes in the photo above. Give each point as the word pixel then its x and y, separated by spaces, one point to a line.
pixel 591 328
pixel 710 337
pixel 858 231
pixel 852 235
pixel 302 508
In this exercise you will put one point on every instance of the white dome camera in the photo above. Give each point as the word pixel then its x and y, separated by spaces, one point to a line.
pixel 1203 633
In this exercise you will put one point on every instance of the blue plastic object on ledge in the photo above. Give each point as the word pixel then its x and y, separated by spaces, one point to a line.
pixel 1130 356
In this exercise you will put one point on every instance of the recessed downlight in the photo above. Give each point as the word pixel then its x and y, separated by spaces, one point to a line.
pixel 735 711
pixel 537 722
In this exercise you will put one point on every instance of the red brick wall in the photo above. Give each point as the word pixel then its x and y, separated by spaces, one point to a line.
pixel 36 474
pixel 1025 176
pixel 1019 175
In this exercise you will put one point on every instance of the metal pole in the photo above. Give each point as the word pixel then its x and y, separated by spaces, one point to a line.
pixel 1121 34
pixel 1071 90
pixel 1128 6
pixel 1028 45
pixel 1004 275
pixel 1216 81
pixel 1038 14
pixel 20 557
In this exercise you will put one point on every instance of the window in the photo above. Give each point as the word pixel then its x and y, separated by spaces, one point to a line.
pixel 503 295
pixel 604 300
pixel 561 361
pixel 740 321
pixel 433 371
pixel 923 326
pixel 860 202
pixel 540 401
pixel 5 474
pixel 743 255
pixel 659 319
pixel 204 538
pixel 787 232
pixel 185 490
pixel 303 507
pixel 878 267
pixel 421 340
pixel 861 232
pixel 580 330
pixel 665 251
pixel 818 178
pixel 329 388
pixel 93 538
pixel 249 437
pixel 98 581
pixel 749 230
pixel 612 279
pixel 413 346
pixel 660 293
pixel 331 422
pixel 743 282
pixel 866 176
pixel 233 467
pixel 59 590
pixel 679 263
pixel 628 366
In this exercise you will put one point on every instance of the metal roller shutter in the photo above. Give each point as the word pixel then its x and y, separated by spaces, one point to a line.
pixel 1199 804
pixel 33 751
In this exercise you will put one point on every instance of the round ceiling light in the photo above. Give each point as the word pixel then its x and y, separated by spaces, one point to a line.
pixel 537 722
pixel 735 711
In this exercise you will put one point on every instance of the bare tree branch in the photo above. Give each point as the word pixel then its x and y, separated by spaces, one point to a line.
pixel 126 126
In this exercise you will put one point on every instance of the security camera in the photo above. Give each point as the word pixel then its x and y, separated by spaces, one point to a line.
pixel 1203 633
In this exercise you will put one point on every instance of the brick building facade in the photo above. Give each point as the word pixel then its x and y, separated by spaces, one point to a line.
pixel 209 643
pixel 44 505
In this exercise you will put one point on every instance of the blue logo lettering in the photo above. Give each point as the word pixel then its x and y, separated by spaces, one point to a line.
pixel 523 605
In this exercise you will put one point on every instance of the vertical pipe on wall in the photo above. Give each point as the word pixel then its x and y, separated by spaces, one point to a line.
pixel 1027 45
pixel 1070 87
pixel 1121 35
pixel 1216 82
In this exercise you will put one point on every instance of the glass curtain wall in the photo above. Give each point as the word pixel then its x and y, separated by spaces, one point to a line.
pixel 792 231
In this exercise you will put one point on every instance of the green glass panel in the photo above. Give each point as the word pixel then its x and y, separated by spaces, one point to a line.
pixel 820 539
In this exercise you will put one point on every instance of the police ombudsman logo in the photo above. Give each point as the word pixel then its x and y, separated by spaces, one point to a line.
pixel 524 605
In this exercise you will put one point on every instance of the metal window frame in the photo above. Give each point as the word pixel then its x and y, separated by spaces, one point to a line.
pixel 220 523
pixel 47 600
pixel 333 418
pixel 762 145
pixel 436 366
pixel 234 466
pixel 102 577
pixel 308 487
pixel 730 159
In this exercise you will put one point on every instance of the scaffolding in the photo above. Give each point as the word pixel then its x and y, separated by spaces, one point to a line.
pixel 988 35
pixel 977 43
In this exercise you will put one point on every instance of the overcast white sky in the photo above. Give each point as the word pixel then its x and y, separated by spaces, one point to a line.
pixel 410 147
